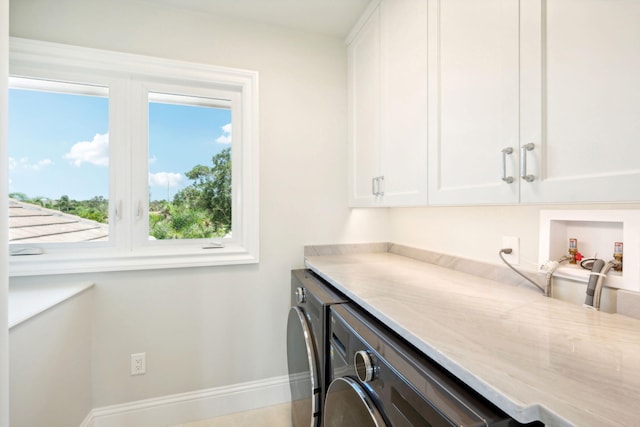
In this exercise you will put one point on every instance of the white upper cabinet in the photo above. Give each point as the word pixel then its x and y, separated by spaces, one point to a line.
pixel 473 102
pixel 403 149
pixel 528 102
pixel 364 112
pixel 388 107
pixel 580 100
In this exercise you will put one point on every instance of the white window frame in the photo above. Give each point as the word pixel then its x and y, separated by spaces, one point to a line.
pixel 130 79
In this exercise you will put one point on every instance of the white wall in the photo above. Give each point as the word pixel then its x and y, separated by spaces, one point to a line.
pixel 469 232
pixel 476 233
pixel 209 327
pixel 4 332
pixel 50 359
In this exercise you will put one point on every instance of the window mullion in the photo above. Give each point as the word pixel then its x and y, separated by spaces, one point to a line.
pixel 139 163
pixel 121 165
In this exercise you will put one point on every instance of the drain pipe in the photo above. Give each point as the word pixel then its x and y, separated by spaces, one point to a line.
pixel 599 273
pixel 595 275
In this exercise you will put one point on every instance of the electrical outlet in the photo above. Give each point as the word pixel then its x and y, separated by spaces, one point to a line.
pixel 138 364
pixel 514 244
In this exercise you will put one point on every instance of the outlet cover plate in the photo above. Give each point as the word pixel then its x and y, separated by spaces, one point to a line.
pixel 514 243
pixel 138 364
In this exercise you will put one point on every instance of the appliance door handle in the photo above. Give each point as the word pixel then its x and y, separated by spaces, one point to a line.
pixel 523 161
pixel 505 178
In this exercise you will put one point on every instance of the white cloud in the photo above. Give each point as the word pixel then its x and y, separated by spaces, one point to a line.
pixel 152 159
pixel 225 138
pixel 95 152
pixel 165 179
pixel 24 163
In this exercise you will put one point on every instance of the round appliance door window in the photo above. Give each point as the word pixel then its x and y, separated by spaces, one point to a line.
pixel 347 405
pixel 303 370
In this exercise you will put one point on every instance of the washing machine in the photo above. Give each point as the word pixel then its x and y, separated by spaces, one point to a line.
pixel 307 346
pixel 379 380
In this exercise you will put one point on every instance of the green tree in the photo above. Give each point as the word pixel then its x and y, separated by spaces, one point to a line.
pixel 211 191
pixel 201 210
pixel 21 197
pixel 64 204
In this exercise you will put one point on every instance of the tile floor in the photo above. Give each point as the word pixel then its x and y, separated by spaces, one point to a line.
pixel 271 416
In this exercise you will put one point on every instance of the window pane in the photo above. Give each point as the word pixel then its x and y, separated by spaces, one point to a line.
pixel 58 162
pixel 189 167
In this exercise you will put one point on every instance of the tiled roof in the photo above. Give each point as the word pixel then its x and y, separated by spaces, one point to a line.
pixel 30 223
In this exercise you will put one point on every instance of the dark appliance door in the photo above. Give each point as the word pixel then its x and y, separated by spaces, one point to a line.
pixel 348 405
pixel 302 358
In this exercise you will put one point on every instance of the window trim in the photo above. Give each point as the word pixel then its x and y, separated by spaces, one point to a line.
pixel 137 74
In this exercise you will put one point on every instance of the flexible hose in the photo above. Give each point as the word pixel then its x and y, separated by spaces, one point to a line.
pixel 598 291
pixel 508 251
pixel 547 284
pixel 551 267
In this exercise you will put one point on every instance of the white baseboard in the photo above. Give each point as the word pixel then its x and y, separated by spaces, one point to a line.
pixel 185 407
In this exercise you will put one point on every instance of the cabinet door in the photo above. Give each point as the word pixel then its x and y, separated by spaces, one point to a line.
pixel 364 112
pixel 473 101
pixel 403 149
pixel 581 100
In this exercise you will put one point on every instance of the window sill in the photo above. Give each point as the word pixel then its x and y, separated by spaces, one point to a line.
pixel 111 260
pixel 25 303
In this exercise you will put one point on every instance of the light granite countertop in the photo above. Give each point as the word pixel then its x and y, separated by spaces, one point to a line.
pixel 534 357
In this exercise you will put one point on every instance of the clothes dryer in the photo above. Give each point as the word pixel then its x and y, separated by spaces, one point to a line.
pixel 307 346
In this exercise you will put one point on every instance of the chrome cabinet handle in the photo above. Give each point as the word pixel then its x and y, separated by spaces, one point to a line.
pixel 376 186
pixel 374 182
pixel 505 178
pixel 523 161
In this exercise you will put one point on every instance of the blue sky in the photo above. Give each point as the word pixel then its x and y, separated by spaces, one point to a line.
pixel 58 144
pixel 181 137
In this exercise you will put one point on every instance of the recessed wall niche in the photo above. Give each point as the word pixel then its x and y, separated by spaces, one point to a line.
pixel 597 231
